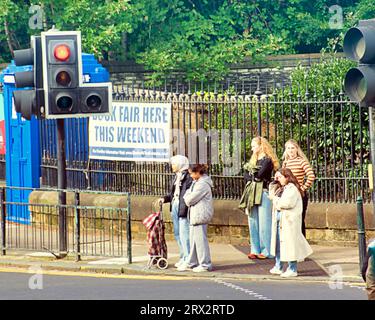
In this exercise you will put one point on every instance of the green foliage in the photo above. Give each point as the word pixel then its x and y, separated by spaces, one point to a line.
pixel 322 78
pixel 100 22
pixel 208 62
pixel 203 44
pixel 198 37
pixel 339 130
pixel 312 110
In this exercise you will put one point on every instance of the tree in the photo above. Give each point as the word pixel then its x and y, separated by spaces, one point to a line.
pixel 198 37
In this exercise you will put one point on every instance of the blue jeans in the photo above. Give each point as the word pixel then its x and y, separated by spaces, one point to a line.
pixel 181 232
pixel 292 265
pixel 260 227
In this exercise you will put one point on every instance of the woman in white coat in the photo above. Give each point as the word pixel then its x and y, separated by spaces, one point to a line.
pixel 287 242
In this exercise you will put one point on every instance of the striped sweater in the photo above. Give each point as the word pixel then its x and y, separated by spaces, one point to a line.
pixel 301 169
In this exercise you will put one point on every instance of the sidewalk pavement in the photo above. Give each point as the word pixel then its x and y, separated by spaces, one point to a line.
pixel 327 264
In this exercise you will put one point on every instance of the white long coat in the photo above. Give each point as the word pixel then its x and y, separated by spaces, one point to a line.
pixel 293 245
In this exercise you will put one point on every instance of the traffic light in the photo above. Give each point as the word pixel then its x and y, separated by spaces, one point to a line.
pixel 61 72
pixel 66 96
pixel 359 45
pixel 30 101
pixel 94 98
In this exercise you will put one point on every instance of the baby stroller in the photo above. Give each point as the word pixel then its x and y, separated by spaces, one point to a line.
pixel 157 251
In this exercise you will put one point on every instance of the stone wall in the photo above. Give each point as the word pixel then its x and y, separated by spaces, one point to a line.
pixel 274 71
pixel 327 223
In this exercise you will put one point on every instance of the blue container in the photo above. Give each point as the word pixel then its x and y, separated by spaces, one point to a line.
pixel 22 150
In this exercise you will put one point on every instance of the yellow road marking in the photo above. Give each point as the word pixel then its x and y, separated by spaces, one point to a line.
pixel 32 270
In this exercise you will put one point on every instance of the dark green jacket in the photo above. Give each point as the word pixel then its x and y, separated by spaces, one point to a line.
pixel 252 195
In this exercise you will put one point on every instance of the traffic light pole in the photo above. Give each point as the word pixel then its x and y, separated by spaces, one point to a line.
pixel 61 184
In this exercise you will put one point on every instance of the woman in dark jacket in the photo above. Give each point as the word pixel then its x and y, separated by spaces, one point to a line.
pixel 255 201
pixel 179 210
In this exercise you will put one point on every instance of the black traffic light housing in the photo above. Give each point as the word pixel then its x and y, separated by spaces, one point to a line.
pixel 31 101
pixel 359 45
pixel 66 96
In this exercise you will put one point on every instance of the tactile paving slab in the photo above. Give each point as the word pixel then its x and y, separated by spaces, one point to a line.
pixel 307 268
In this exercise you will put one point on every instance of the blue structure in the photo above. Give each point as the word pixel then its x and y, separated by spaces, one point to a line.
pixel 24 139
pixel 22 150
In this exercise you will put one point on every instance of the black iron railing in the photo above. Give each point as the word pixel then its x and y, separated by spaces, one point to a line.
pixel 91 230
pixel 331 130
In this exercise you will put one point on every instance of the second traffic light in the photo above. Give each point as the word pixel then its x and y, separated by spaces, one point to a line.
pixel 359 45
pixel 66 96
pixel 30 100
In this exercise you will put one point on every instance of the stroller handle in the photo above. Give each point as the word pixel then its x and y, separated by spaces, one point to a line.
pixel 161 211
pixel 157 205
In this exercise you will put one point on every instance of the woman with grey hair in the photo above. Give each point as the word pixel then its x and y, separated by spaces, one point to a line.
pixel 179 210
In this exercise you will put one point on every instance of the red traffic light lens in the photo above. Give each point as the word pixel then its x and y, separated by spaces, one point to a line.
pixel 63 78
pixel 62 52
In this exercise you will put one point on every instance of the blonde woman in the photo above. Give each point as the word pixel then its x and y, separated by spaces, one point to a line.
pixel 255 201
pixel 297 162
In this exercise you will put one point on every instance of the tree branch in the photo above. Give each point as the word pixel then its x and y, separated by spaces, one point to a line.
pixel 7 33
pixel 264 20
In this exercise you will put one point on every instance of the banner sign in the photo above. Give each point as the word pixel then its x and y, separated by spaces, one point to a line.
pixel 133 132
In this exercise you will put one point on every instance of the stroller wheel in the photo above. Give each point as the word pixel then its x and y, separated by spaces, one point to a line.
pixel 162 263
pixel 152 262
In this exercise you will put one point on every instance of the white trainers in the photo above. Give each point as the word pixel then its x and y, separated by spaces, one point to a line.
pixel 275 270
pixel 200 269
pixel 177 264
pixel 183 267
pixel 288 274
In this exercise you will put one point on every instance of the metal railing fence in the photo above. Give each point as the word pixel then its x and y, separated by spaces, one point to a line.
pixel 91 230
pixel 332 131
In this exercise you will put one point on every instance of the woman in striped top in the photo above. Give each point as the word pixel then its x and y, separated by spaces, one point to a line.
pixel 297 162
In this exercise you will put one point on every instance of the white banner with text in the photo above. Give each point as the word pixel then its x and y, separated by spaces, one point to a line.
pixel 132 132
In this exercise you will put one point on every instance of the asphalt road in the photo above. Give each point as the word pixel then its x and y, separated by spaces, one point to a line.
pixel 32 286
